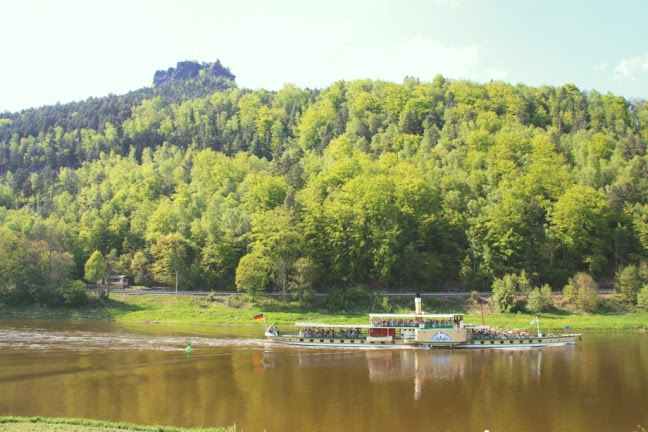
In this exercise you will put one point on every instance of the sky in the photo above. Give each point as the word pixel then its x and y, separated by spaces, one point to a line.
pixel 67 50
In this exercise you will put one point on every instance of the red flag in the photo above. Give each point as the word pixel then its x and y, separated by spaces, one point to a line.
pixel 259 317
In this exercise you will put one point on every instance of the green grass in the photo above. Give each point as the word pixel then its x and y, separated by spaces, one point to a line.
pixel 556 321
pixel 237 310
pixel 43 424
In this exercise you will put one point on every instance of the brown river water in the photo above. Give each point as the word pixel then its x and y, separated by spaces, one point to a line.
pixel 141 374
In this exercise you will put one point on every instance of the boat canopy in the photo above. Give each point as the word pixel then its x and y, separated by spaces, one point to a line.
pixel 349 326
pixel 433 316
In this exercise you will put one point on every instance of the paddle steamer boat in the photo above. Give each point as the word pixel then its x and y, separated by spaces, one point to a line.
pixel 415 330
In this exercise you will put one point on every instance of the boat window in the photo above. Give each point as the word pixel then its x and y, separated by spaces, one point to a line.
pixel 501 342
pixel 539 340
pixel 331 340
pixel 482 342
pixel 321 340
pixel 311 340
pixel 492 342
pixel 301 340
pixel 511 341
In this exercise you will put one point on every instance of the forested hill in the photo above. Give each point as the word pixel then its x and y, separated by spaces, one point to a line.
pixel 186 81
pixel 424 185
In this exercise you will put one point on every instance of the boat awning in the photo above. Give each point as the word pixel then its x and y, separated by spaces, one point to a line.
pixel 349 326
pixel 414 316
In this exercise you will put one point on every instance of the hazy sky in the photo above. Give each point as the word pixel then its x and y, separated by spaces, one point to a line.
pixel 69 50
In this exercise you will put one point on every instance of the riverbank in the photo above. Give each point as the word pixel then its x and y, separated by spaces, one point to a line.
pixel 238 310
pixel 44 424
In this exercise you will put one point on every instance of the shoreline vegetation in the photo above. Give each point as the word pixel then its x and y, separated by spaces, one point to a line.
pixel 46 424
pixel 239 310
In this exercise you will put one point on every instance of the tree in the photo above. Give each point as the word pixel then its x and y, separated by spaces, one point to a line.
pixel 140 269
pixel 583 289
pixel 581 221
pixel 539 299
pixel 504 293
pixel 23 268
pixel 302 279
pixel 642 298
pixel 628 282
pixel 172 253
pixel 96 268
pixel 73 293
pixel 276 238
pixel 253 274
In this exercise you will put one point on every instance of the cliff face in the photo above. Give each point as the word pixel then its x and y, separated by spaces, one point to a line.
pixel 188 69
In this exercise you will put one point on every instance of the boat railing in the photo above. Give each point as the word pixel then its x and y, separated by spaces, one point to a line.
pixel 329 335
pixel 502 336
pixel 414 324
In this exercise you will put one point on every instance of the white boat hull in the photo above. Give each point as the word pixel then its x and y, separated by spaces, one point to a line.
pixel 520 343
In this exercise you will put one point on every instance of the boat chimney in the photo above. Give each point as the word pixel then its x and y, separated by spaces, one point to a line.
pixel 417 304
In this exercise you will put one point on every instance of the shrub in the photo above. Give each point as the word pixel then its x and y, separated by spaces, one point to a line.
pixel 540 299
pixel 569 293
pixel 583 291
pixel 73 293
pixel 642 298
pixel 523 283
pixel 504 293
pixel 474 295
pixel 379 302
pixel 628 282
pixel 302 279
pixel 235 301
pixel 344 299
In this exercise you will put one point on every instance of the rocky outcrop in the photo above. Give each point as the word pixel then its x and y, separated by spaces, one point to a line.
pixel 186 70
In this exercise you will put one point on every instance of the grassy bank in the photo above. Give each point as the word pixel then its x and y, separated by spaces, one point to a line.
pixel 238 310
pixel 42 424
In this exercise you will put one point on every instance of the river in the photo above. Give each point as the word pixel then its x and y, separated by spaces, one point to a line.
pixel 140 373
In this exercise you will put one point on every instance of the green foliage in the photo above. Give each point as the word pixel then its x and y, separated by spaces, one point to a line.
pixel 302 280
pixel 253 274
pixel 379 302
pixel 73 293
pixel 172 253
pixel 642 298
pixel 349 299
pixel 504 291
pixel 570 294
pixel 628 282
pixel 474 295
pixel 583 292
pixel 139 268
pixel 581 221
pixel 96 268
pixel 31 269
pixel 370 182
pixel 540 299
